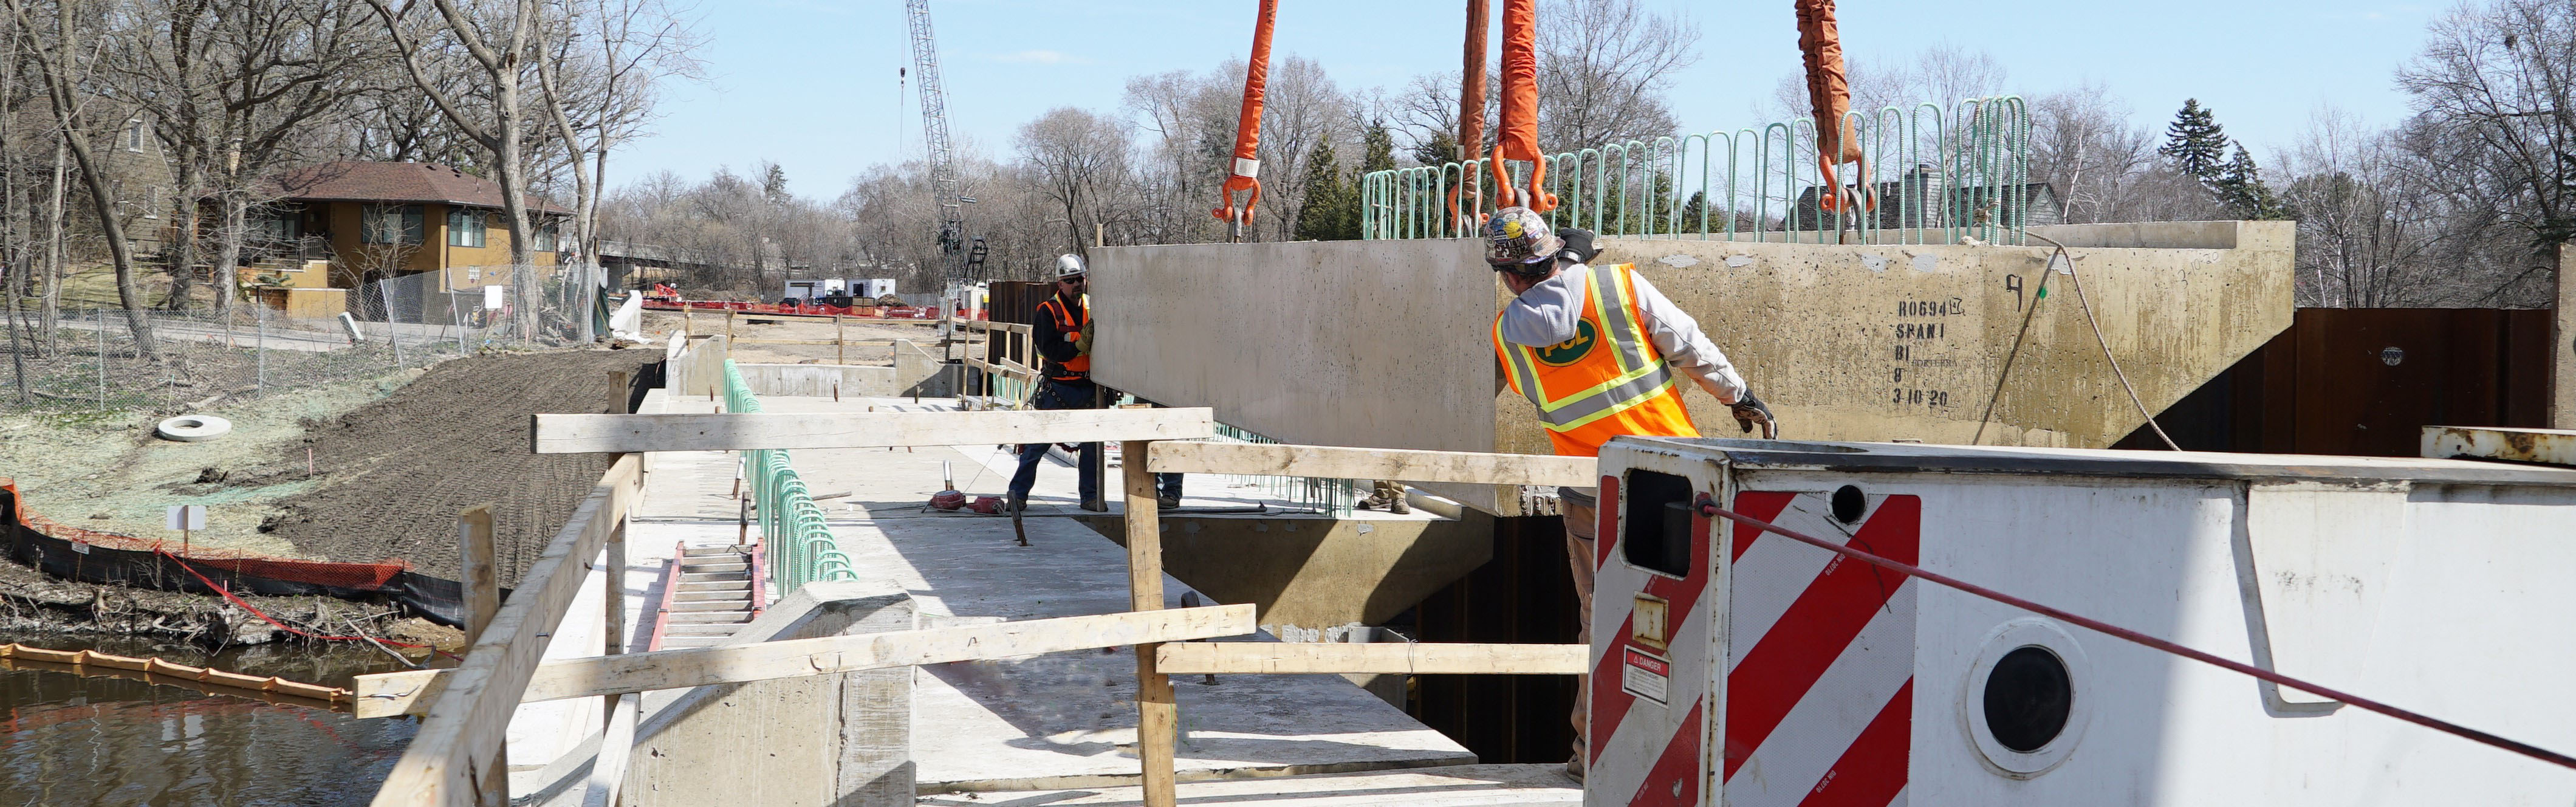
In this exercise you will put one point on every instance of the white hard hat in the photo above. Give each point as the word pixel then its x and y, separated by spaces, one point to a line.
pixel 1068 266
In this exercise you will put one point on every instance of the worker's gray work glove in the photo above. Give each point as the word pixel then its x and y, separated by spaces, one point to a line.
pixel 1750 412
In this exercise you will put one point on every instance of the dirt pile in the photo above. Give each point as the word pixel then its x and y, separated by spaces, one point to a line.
pixel 395 473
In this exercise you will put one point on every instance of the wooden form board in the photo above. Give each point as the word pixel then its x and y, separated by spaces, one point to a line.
pixel 1390 657
pixel 405 692
pixel 1335 462
pixel 616 749
pixel 1004 367
pixel 858 342
pixel 582 434
pixel 468 720
pixel 1158 709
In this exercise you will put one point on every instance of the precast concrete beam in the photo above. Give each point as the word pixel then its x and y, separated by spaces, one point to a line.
pixel 1388 343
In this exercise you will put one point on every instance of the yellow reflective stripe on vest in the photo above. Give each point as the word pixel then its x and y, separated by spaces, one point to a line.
pixel 1618 312
pixel 1524 377
pixel 1642 376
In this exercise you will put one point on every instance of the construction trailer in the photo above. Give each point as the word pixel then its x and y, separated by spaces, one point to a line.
pixel 1731 665
pixel 817 288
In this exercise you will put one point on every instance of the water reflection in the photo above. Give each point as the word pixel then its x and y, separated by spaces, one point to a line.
pixel 71 741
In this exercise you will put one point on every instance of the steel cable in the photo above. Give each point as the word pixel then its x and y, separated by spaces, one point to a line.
pixel 1708 508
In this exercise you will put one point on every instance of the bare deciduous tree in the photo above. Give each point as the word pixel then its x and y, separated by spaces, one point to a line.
pixel 2495 98
pixel 231 90
pixel 1078 157
pixel 2369 236
pixel 2084 147
pixel 65 72
pixel 1303 108
pixel 598 93
pixel 501 39
pixel 1604 69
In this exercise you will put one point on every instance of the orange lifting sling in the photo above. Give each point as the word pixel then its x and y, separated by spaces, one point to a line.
pixel 1829 93
pixel 1247 130
pixel 1517 136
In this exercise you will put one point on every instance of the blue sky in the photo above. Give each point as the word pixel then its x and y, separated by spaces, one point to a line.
pixel 810 84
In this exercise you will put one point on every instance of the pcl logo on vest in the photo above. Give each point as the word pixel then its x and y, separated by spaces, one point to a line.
pixel 1571 350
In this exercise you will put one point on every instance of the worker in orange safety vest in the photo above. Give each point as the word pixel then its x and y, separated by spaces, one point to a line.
pixel 1597 349
pixel 1061 334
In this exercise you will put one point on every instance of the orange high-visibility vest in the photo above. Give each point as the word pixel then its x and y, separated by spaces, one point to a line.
pixel 1067 322
pixel 1607 381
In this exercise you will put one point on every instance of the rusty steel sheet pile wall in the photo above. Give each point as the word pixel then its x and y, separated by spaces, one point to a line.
pixel 1388 343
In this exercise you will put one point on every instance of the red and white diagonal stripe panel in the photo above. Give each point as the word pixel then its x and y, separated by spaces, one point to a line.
pixel 1642 752
pixel 1820 657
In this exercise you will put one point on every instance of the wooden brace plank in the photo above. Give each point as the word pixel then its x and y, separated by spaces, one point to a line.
pixel 404 692
pixel 1336 462
pixel 1392 657
pixel 584 434
pixel 469 720
pixel 616 748
pixel 854 342
pixel 1003 367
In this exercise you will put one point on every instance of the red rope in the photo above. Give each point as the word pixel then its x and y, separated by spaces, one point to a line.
pixel 254 611
pixel 2545 755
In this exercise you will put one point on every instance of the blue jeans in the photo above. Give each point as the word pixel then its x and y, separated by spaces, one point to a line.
pixel 1058 395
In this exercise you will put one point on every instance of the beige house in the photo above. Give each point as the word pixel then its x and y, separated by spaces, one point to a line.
pixel 338 226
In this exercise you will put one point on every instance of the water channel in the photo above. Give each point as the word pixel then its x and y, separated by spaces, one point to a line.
pixel 73 741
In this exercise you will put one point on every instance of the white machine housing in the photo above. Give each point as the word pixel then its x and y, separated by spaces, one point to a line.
pixel 811 288
pixel 1739 668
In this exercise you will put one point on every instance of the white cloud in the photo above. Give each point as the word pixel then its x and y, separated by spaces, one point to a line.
pixel 1041 57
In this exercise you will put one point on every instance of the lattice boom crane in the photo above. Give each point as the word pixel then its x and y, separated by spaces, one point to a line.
pixel 943 166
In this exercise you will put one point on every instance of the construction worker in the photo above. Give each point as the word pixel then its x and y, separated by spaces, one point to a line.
pixel 1597 349
pixel 1061 334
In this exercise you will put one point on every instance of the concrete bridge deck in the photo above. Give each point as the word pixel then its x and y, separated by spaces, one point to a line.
pixel 1043 723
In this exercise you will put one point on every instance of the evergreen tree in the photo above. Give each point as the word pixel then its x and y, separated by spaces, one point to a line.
pixel 2195 142
pixel 2239 186
pixel 1693 210
pixel 1441 149
pixel 1331 211
pixel 1377 148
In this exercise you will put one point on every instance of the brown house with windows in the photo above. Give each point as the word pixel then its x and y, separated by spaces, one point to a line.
pixel 344 225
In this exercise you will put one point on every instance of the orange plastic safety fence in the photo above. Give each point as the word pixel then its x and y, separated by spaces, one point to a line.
pixel 359 576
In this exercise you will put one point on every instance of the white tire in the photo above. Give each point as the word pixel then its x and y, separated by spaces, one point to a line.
pixel 193 428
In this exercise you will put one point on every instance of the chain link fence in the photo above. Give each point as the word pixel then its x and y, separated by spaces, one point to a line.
pixel 281 338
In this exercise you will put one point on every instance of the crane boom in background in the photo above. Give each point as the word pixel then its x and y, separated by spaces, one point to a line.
pixel 959 261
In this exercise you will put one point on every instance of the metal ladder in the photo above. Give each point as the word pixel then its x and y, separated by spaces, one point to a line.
pixel 708 593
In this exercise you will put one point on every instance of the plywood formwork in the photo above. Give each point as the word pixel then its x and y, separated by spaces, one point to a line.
pixel 1387 343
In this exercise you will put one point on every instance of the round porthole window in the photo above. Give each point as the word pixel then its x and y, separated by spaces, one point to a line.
pixel 2028 695
pixel 2024 705
pixel 1848 504
pixel 2391 356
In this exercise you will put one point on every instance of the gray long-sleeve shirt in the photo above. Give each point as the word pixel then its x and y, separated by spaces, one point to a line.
pixel 1547 314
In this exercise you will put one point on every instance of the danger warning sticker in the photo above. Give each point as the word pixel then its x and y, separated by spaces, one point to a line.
pixel 1645 675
